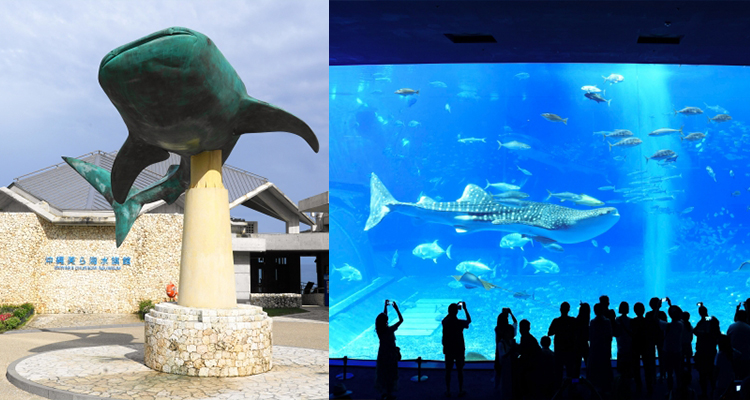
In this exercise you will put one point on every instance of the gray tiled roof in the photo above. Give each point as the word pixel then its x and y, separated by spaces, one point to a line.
pixel 62 187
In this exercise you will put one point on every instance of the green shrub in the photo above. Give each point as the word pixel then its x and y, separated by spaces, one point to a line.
pixel 12 322
pixel 28 307
pixel 20 313
pixel 144 307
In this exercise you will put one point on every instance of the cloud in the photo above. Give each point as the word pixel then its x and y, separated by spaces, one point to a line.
pixel 51 103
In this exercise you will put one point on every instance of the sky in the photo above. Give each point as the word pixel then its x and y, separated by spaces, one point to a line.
pixel 51 103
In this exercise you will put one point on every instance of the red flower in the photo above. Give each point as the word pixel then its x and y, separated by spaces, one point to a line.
pixel 3 317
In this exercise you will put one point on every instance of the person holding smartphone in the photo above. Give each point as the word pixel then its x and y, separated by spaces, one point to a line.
pixel 454 347
pixel 386 367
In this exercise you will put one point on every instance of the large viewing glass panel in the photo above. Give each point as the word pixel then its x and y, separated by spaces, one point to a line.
pixel 681 233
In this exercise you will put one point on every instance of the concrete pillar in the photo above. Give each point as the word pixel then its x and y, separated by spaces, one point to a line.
pixel 207 267
pixel 292 225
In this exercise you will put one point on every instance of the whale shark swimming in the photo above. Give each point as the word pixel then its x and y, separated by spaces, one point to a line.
pixel 477 211
pixel 176 93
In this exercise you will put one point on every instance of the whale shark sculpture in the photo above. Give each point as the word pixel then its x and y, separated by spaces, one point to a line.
pixel 176 93
pixel 477 211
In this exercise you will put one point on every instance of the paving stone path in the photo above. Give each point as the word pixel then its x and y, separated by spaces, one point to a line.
pixel 118 372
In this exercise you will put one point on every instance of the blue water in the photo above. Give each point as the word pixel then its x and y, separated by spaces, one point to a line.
pixel 656 248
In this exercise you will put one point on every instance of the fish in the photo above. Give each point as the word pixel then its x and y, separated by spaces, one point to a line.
pixel 717 109
pixel 411 100
pixel 554 247
pixel 597 98
pixel 514 145
pixel 474 356
pixel 673 249
pixel 662 155
pixel 742 266
pixel 693 136
pixel 349 273
pixel 439 84
pixel 607 188
pixel 513 240
pixel 591 89
pixel 394 259
pixel 414 124
pixel 431 251
pixel 404 142
pixel 736 193
pixel 689 111
pixel 406 92
pixel 554 118
pixel 711 173
pixel 687 210
pixel 664 198
pixel 666 131
pixel 629 142
pixel 201 104
pixel 542 265
pixel 720 118
pixel 476 211
pixel 606 249
pixel 502 186
pixel 522 75
pixel 448 107
pixel 586 200
pixel 511 194
pixel 731 173
pixel 471 281
pixel 613 78
pixel 619 158
pixel 453 285
pixel 617 133
pixel 563 196
pixel 523 295
pixel 595 243
pixel 471 140
pixel 475 267
pixel 524 171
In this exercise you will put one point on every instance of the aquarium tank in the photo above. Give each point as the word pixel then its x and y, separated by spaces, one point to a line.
pixel 526 185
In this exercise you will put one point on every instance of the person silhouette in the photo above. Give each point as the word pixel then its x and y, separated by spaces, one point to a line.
pixel 707 334
pixel 687 342
pixel 546 369
pixel 623 332
pixel 723 370
pixel 386 367
pixel 582 335
pixel 529 352
pixel 643 349
pixel 563 328
pixel 454 346
pixel 609 313
pixel 739 335
pixel 600 335
pixel 504 349
pixel 672 357
pixel 653 317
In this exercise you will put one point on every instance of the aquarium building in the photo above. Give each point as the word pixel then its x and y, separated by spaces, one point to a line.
pixel 58 252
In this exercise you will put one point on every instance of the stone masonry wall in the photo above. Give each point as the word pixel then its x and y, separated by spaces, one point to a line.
pixel 27 275
pixel 276 300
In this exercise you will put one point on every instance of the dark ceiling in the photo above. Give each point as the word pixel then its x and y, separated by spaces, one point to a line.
pixel 414 32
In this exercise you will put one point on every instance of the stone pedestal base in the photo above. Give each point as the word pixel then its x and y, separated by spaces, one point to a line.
pixel 208 342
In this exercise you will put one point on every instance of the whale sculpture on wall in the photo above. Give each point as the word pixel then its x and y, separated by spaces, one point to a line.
pixel 176 93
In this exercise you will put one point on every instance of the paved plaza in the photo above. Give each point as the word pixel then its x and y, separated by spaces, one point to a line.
pixel 86 353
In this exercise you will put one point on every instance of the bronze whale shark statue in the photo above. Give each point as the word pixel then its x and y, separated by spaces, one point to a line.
pixel 176 93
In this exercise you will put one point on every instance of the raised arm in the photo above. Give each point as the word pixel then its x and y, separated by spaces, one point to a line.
pixel 385 308
pixel 400 318
pixel 466 310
